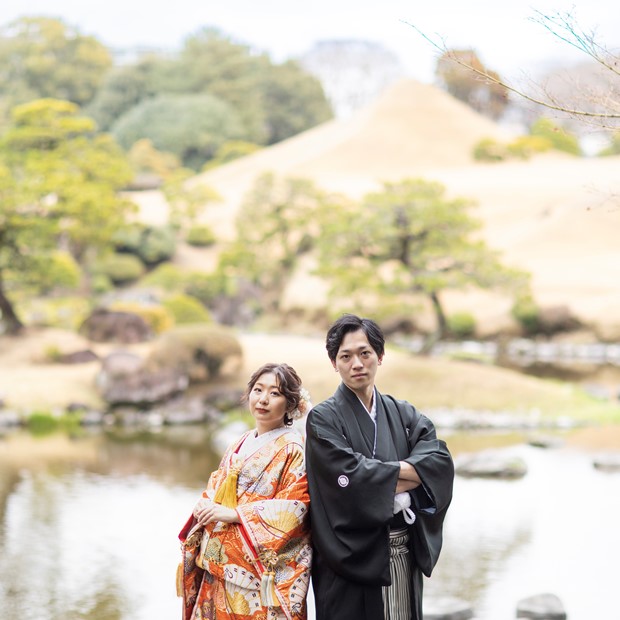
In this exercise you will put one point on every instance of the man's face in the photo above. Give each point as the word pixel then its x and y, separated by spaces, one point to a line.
pixel 357 362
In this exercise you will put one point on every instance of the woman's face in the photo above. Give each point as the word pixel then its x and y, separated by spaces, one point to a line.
pixel 267 403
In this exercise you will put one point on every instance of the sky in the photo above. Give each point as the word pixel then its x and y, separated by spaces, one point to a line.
pixel 502 32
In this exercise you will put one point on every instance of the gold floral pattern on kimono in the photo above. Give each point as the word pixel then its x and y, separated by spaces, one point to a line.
pixel 224 579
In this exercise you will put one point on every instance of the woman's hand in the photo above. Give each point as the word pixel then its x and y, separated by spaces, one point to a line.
pixel 206 511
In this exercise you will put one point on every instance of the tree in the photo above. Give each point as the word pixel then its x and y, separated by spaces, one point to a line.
pixel 192 127
pixel 59 184
pixel 293 100
pixel 125 87
pixel 187 200
pixel 210 62
pixel 486 97
pixel 273 231
pixel 407 240
pixel 600 106
pixel 42 57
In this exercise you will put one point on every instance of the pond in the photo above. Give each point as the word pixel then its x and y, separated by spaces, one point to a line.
pixel 88 527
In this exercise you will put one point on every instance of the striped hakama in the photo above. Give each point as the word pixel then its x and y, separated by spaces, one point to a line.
pixel 397 597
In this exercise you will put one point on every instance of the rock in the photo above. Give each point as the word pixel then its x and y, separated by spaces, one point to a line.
pixel 608 462
pixel 541 607
pixel 125 379
pixel 78 357
pixel 225 398
pixel 545 441
pixel 109 326
pixel 184 410
pixel 9 419
pixel 488 465
pixel 447 609
pixel 91 417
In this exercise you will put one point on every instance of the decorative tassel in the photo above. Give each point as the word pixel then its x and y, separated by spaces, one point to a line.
pixel 180 579
pixel 268 595
pixel 226 495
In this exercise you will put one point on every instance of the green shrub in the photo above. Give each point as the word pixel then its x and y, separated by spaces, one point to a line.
pixel 560 139
pixel 127 239
pixel 202 351
pixel 157 244
pixel 39 423
pixel 186 309
pixel 151 244
pixel 120 268
pixel 489 150
pixel 526 146
pixel 167 277
pixel 156 317
pixel 462 325
pixel 527 313
pixel 190 126
pixel 201 236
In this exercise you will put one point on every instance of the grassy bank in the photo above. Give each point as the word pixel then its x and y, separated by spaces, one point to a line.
pixel 27 383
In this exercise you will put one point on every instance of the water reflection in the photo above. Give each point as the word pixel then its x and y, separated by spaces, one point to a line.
pixel 555 530
pixel 88 527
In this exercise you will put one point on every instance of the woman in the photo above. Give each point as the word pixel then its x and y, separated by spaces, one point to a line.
pixel 246 551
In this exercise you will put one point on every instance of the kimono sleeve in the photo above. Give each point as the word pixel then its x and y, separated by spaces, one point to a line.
pixel 433 463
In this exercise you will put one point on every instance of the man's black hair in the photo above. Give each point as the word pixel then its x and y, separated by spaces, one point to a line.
pixel 352 323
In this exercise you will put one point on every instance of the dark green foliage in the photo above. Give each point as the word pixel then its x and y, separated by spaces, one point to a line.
pixel 527 313
pixel 293 101
pixel 192 127
pixel 123 88
pixel 151 244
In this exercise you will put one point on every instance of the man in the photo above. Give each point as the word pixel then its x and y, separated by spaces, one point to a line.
pixel 380 484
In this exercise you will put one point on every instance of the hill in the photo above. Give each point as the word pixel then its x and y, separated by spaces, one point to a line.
pixel 554 215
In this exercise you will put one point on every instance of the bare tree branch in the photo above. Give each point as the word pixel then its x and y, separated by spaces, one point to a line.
pixel 563 27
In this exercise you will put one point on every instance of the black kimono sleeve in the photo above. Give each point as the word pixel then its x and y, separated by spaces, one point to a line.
pixel 433 463
pixel 352 498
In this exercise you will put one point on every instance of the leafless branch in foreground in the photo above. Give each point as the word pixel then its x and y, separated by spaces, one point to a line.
pixel 605 109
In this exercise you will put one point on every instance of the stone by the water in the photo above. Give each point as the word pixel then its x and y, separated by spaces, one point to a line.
pixel 608 462
pixel 447 608
pixel 490 465
pixel 541 607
